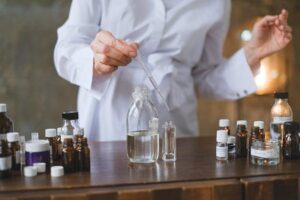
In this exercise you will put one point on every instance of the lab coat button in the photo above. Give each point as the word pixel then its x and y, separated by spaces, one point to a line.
pixel 245 91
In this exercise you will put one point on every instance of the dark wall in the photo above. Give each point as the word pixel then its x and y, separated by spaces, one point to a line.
pixel 36 96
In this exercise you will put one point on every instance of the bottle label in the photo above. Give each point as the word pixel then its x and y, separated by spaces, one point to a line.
pixel 17 156
pixel 222 152
pixel 5 163
pixel 270 153
pixel 281 120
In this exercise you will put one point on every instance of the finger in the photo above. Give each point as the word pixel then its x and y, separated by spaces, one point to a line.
pixel 104 69
pixel 265 21
pixel 106 37
pixel 110 52
pixel 285 14
pixel 135 45
pixel 108 60
pixel 288 29
pixel 125 48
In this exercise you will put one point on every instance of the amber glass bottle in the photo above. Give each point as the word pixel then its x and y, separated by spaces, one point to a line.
pixel 6 124
pixel 68 154
pixel 5 159
pixel 14 147
pixel 291 141
pixel 241 139
pixel 257 133
pixel 86 155
pixel 51 136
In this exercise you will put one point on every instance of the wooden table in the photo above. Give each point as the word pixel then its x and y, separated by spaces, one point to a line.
pixel 195 174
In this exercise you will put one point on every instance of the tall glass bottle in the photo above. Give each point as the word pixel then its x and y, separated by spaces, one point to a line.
pixel 142 128
pixel 6 124
pixel 281 112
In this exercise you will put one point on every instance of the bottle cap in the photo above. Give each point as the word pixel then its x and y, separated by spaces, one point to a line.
pixel 241 122
pixel 41 167
pixel 223 122
pixel 57 171
pixel 70 115
pixel 231 139
pixel 37 146
pixel 59 131
pixel 281 95
pixel 222 136
pixel 12 137
pixel 30 171
pixel 50 132
pixel 153 124
pixel 3 107
pixel 259 124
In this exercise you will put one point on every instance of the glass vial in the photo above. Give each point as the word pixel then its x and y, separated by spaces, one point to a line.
pixel 22 153
pixel 70 122
pixel 142 143
pixel 241 139
pixel 86 155
pixel 51 136
pixel 5 159
pixel 265 153
pixel 224 125
pixel 291 143
pixel 221 147
pixel 169 141
pixel 281 112
pixel 6 124
pixel 68 154
pixel 257 133
pixel 14 146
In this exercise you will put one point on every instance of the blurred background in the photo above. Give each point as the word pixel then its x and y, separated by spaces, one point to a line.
pixel 36 96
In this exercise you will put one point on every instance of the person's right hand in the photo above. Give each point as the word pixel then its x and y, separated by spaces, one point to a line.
pixel 110 53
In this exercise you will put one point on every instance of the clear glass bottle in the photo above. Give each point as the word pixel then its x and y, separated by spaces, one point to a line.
pixel 22 153
pixel 221 146
pixel 142 140
pixel 281 112
pixel 70 123
pixel 6 124
pixel 169 141
pixel 265 153
pixel 241 139
pixel 14 146
pixel 224 125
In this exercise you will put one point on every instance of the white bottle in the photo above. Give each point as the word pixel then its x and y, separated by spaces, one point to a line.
pixel 281 112
pixel 222 147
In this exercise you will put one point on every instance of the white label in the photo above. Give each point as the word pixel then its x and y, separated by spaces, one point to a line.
pixel 281 120
pixel 222 152
pixel 5 163
pixel 270 153
pixel 17 156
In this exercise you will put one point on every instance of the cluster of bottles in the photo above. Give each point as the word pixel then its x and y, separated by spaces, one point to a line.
pixel 64 149
pixel 143 131
pixel 261 149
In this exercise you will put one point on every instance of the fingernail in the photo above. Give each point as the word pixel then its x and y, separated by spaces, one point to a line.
pixel 132 54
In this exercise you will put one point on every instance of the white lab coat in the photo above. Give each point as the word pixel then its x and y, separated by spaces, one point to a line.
pixel 181 42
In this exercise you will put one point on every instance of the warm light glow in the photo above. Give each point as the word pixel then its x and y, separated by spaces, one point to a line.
pixel 246 35
pixel 261 78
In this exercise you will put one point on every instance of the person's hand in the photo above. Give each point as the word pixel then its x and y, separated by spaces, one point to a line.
pixel 110 53
pixel 269 35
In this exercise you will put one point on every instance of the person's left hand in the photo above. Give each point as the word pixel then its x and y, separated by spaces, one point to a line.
pixel 269 35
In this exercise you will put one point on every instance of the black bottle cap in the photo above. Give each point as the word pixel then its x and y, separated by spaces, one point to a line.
pixel 291 127
pixel 281 95
pixel 70 115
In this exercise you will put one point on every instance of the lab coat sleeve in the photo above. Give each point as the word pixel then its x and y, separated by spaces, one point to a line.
pixel 73 56
pixel 216 77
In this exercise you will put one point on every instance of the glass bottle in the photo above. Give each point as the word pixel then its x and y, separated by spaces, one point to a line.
pixel 5 159
pixel 22 153
pixel 241 139
pixel 224 125
pixel 79 157
pixel 6 124
pixel 70 122
pixel 142 144
pixel 68 154
pixel 221 146
pixel 257 133
pixel 86 155
pixel 291 140
pixel 231 146
pixel 265 153
pixel 51 136
pixel 281 112
pixel 14 146
pixel 169 142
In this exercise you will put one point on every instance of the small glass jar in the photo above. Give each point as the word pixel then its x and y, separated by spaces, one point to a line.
pixel 265 153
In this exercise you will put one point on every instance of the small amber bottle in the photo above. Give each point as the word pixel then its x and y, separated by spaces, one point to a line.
pixel 14 147
pixel 51 136
pixel 257 133
pixel 68 154
pixel 6 124
pixel 241 139
pixel 79 157
pixel 5 159
pixel 86 154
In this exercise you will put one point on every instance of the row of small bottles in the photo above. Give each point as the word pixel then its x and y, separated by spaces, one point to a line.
pixel 65 146
pixel 262 150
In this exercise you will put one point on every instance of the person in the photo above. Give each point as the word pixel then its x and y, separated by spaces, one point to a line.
pixel 181 42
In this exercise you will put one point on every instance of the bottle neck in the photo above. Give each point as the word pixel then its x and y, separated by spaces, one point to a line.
pixel 281 100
